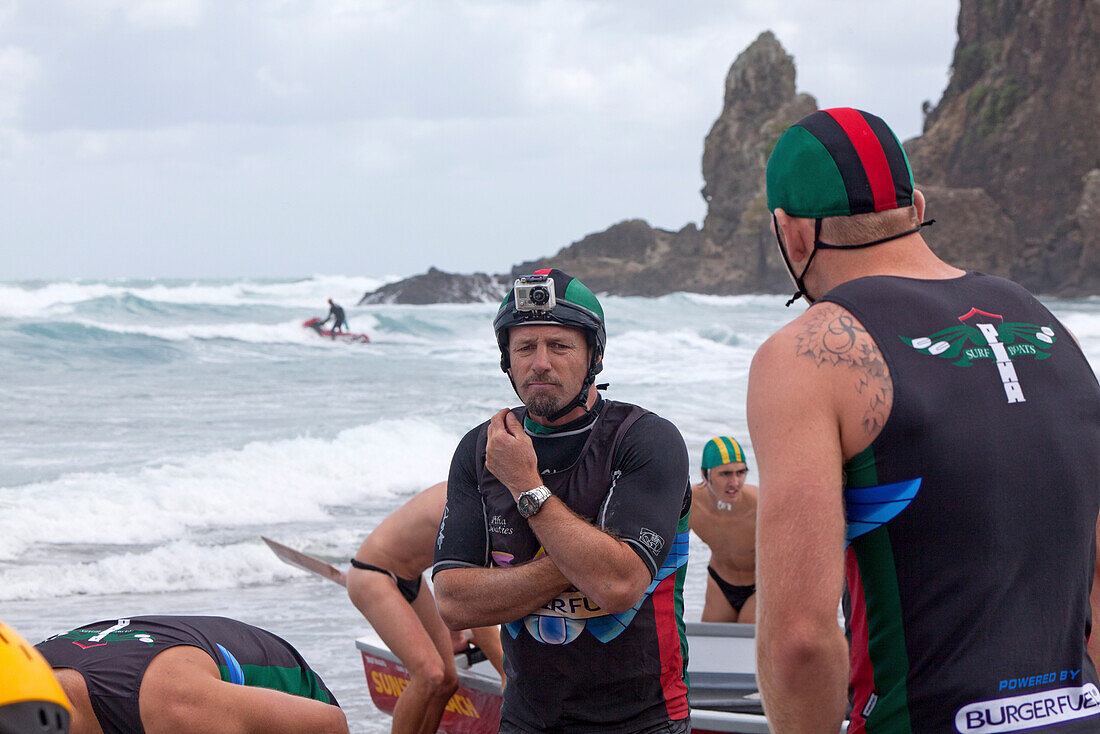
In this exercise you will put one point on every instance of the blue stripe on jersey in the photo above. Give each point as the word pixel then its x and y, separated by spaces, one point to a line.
pixel 236 675
pixel 870 507
pixel 609 627
pixel 555 630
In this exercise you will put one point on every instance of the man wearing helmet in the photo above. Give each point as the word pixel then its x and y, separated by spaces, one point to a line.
pixel 934 435
pixel 566 521
pixel 164 674
pixel 31 700
pixel 723 515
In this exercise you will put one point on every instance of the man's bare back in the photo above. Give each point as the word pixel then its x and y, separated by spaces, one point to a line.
pixel 386 585
pixel 403 543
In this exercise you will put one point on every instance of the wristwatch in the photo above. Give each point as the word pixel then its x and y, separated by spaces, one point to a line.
pixel 532 500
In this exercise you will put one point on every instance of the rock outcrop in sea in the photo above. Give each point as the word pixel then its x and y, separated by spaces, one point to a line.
pixel 1009 160
pixel 436 286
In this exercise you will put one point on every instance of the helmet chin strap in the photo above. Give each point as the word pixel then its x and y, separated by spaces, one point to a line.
pixel 581 399
pixel 819 245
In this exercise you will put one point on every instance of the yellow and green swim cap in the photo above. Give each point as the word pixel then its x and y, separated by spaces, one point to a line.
pixel 722 450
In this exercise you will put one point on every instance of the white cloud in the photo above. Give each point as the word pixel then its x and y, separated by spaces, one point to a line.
pixel 18 71
pixel 333 20
pixel 13 145
pixel 8 9
pixel 163 13
pixel 122 149
pixel 468 133
pixel 145 14
pixel 278 84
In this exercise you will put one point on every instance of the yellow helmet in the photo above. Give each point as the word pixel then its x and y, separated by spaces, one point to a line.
pixel 31 699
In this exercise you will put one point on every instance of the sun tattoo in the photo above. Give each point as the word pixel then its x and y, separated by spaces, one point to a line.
pixel 833 337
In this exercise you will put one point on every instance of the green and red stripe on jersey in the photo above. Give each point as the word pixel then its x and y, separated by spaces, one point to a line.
pixel 879 660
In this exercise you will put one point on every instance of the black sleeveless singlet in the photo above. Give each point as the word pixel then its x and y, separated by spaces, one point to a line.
pixel 971 518
pixel 113 655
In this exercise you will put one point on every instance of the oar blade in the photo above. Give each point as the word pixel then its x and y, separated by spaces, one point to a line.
pixel 306 562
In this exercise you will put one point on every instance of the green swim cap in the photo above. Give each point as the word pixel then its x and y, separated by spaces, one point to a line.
pixel 722 450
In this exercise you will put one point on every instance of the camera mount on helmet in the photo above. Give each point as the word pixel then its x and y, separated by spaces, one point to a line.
pixel 551 297
pixel 534 293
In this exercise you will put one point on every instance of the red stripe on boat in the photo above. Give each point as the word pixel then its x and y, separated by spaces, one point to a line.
pixel 871 155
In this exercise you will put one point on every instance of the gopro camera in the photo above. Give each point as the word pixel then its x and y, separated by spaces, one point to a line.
pixel 535 293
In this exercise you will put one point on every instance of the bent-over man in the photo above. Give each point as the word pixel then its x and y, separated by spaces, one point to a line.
pixel 201 675
pixel 385 584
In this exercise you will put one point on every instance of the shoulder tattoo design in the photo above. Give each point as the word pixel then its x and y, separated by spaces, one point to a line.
pixel 831 336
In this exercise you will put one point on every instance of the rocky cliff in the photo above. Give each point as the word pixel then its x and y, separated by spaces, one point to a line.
pixel 1020 119
pixel 1009 161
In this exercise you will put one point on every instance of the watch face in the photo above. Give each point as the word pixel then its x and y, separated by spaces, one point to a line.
pixel 527 505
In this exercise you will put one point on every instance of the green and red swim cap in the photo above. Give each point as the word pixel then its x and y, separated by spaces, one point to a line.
pixel 836 163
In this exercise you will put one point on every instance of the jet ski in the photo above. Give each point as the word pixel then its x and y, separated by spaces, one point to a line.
pixel 347 336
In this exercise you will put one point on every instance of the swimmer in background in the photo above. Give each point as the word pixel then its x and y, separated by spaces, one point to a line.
pixel 723 515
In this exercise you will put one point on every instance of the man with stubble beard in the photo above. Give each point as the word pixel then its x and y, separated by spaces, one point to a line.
pixel 567 522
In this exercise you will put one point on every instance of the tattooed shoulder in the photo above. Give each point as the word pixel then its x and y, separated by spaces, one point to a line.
pixel 830 336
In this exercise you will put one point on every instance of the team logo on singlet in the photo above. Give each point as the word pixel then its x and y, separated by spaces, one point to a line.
pixel 86 638
pixel 981 335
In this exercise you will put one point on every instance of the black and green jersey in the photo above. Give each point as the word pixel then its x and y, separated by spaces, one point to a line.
pixel 113 655
pixel 572 666
pixel 971 518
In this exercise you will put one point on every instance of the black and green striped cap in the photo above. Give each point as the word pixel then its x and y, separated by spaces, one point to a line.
pixel 836 163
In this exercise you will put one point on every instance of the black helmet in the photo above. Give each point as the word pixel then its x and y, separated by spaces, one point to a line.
pixel 552 297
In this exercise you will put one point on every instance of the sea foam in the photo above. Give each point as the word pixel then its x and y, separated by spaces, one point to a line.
pixel 264 483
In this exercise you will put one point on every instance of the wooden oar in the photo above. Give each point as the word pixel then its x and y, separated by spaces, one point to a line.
pixel 473 654
pixel 307 562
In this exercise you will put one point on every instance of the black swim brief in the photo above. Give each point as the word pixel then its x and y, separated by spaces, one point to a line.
pixel 735 595
pixel 409 588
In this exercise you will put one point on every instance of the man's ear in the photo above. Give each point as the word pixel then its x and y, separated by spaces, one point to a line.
pixel 798 235
pixel 918 202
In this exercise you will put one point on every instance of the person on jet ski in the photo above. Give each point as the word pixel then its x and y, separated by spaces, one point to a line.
pixel 336 313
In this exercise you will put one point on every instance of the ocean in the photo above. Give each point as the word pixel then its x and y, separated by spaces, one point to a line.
pixel 154 429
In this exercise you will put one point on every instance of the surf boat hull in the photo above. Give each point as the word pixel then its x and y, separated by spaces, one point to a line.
pixel 722 672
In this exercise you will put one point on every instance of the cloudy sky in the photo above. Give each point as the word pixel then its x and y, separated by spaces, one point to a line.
pixel 281 138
